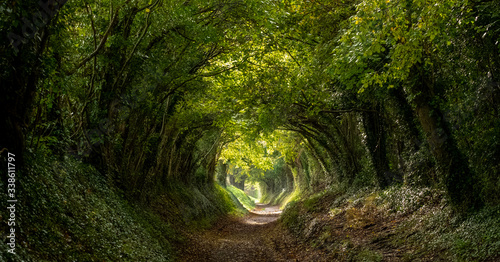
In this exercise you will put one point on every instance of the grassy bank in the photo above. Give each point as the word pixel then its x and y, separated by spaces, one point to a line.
pixel 67 211
pixel 397 224
pixel 243 198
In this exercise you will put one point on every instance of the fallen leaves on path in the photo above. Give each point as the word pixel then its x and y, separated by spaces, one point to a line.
pixel 251 238
pixel 259 237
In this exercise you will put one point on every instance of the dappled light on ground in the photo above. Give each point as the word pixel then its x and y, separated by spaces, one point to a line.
pixel 262 214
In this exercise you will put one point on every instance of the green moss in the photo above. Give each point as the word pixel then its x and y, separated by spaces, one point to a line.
pixel 366 255
pixel 312 204
pixel 292 217
pixel 248 203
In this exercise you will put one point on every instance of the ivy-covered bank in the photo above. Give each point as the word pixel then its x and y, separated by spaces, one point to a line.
pixel 400 223
pixel 69 211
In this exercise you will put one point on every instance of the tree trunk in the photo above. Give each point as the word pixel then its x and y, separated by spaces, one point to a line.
pixel 375 141
pixel 222 173
pixel 457 177
pixel 408 115
pixel 289 179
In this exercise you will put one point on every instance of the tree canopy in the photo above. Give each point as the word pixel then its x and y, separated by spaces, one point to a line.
pixel 344 92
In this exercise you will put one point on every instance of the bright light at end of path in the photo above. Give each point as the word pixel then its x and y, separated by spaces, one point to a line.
pixel 265 212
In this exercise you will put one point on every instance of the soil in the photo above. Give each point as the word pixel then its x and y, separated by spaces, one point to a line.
pixel 249 238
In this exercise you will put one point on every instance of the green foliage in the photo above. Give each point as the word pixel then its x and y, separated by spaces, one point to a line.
pixel 410 31
pixel 426 226
pixel 291 217
pixel 475 237
pixel 67 211
pixel 368 256
pixel 315 203
pixel 194 206
pixel 406 200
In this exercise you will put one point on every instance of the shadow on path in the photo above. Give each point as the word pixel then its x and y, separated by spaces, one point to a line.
pixel 237 239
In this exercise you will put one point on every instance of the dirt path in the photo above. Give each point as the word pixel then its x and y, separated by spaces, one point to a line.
pixel 245 239
pixel 259 237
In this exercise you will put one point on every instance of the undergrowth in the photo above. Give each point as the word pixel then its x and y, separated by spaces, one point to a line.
pixel 195 207
pixel 408 223
pixel 67 212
